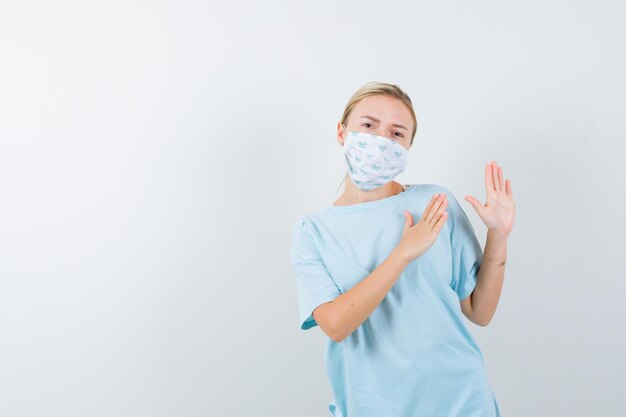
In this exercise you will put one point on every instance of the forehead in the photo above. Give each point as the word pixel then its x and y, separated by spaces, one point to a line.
pixel 384 108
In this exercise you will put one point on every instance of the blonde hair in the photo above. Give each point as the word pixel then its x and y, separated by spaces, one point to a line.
pixel 377 88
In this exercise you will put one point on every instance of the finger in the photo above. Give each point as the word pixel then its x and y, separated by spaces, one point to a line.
pixel 408 220
pixel 439 207
pixel 509 191
pixel 433 200
pixel 406 224
pixel 501 178
pixel 488 180
pixel 475 203
pixel 432 208
pixel 496 181
pixel 441 222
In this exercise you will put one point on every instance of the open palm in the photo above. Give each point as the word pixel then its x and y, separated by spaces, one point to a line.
pixel 498 212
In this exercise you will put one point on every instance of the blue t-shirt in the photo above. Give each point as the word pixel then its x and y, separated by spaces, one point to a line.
pixel 413 356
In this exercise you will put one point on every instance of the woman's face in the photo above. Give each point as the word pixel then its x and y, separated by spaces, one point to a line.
pixel 381 115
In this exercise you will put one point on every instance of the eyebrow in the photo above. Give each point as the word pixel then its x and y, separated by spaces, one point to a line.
pixel 378 121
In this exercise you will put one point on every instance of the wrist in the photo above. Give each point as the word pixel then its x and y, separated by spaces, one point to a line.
pixel 497 235
pixel 399 256
pixel 499 263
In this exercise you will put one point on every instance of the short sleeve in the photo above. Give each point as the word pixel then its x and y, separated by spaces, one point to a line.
pixel 314 284
pixel 467 253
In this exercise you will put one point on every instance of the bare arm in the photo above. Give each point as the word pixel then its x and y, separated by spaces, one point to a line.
pixel 485 297
pixel 340 317
pixel 498 214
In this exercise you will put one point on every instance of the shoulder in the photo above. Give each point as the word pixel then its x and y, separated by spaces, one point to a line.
pixel 307 220
pixel 306 240
pixel 426 191
pixel 301 243
pixel 430 189
pixel 300 225
pixel 307 225
pixel 300 221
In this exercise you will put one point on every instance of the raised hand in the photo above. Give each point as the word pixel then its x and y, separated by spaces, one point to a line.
pixel 498 213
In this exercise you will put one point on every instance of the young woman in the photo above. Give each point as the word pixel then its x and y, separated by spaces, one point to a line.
pixel 388 270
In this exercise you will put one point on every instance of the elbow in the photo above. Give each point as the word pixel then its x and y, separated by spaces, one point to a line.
pixel 481 320
pixel 336 334
pixel 483 323
pixel 329 323
pixel 330 329
pixel 338 337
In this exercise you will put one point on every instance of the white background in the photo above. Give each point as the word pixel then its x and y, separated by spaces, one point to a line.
pixel 154 156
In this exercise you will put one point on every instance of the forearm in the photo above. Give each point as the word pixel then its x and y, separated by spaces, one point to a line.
pixel 490 279
pixel 350 309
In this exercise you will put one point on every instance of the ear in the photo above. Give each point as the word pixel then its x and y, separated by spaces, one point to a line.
pixel 341 134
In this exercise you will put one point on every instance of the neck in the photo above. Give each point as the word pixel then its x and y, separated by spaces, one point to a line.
pixel 354 195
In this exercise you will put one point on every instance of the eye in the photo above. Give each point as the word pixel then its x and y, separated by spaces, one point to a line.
pixel 401 135
pixel 366 123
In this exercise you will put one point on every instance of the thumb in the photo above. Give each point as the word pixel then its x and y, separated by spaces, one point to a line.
pixel 408 220
pixel 475 203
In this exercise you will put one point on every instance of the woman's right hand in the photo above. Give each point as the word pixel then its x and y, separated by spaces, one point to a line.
pixel 416 239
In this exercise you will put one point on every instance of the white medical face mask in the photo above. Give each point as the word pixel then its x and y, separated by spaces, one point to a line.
pixel 373 160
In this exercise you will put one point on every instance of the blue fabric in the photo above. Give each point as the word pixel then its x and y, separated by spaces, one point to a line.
pixel 413 356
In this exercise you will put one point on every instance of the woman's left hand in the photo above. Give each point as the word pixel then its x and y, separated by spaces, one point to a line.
pixel 498 212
